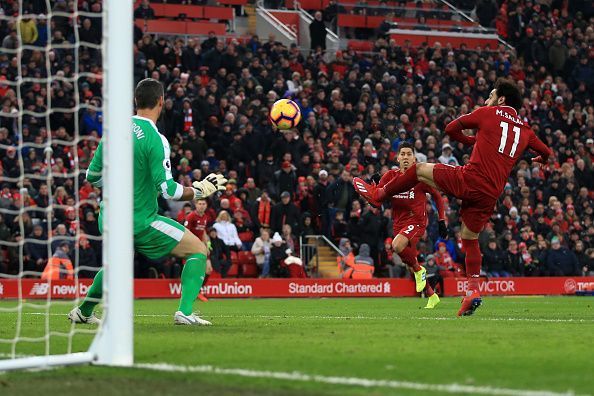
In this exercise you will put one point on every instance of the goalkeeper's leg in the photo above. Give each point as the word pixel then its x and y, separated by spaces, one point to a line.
pixel 84 313
pixel 194 251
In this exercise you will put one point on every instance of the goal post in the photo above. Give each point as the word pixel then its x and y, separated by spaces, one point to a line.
pixel 113 341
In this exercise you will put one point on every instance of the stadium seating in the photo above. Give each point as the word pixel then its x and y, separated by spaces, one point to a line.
pixel 192 11
pixel 204 28
pixel 321 4
pixel 215 275
pixel 372 22
pixel 220 13
pixel 233 2
pixel 247 262
pixel 180 27
pixel 234 269
pixel 175 10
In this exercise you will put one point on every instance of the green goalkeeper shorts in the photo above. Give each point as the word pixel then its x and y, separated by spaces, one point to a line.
pixel 157 240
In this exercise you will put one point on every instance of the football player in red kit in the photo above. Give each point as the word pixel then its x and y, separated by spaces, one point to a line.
pixel 197 222
pixel 409 216
pixel 500 140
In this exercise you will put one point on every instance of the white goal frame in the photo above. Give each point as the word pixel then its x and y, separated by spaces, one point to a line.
pixel 113 344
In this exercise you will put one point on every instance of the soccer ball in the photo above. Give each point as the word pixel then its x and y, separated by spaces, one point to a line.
pixel 285 114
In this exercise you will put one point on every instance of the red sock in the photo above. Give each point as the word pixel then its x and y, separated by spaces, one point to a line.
pixel 429 290
pixel 409 257
pixel 400 184
pixel 473 262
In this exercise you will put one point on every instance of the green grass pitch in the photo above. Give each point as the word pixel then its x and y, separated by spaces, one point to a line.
pixel 299 346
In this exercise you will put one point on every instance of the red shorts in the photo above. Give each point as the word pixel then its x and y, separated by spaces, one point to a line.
pixel 477 207
pixel 412 232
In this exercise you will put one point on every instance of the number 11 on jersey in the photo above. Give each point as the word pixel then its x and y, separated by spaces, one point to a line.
pixel 504 129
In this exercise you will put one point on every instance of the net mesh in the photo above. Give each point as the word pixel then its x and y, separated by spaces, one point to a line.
pixel 52 101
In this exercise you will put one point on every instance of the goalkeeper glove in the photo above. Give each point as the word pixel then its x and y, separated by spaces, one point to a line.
pixel 210 185
pixel 443 229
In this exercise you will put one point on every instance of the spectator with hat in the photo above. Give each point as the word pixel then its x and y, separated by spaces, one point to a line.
pixel 445 260
pixel 285 179
pixel 278 252
pixel 447 156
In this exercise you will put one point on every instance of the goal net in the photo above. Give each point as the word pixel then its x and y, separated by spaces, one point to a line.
pixel 65 83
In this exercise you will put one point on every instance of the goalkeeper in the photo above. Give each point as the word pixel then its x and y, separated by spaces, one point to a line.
pixel 156 236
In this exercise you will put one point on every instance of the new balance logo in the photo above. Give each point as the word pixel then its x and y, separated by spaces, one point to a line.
pixel 39 289
pixel 361 187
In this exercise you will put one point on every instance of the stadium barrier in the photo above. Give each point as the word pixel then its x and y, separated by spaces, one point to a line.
pixel 242 288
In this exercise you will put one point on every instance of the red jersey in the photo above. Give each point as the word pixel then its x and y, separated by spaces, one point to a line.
pixel 501 139
pixel 197 224
pixel 411 207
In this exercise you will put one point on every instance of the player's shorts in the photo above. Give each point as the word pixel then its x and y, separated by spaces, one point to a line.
pixel 477 207
pixel 412 232
pixel 158 239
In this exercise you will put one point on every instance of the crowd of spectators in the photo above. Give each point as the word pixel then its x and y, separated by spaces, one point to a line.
pixel 356 110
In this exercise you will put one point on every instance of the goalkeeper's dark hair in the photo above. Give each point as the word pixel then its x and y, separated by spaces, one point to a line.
pixel 511 92
pixel 405 144
pixel 147 93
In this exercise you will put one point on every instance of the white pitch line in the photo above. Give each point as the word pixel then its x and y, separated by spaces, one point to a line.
pixel 357 317
pixel 350 381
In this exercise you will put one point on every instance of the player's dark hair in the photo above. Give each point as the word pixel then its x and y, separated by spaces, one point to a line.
pixel 406 144
pixel 510 91
pixel 147 93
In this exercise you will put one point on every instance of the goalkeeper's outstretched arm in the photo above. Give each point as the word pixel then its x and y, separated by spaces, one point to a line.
pixel 205 188
pixel 200 189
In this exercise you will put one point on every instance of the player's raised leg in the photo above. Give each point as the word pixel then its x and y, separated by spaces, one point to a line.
pixel 194 251
pixel 471 248
pixel 418 172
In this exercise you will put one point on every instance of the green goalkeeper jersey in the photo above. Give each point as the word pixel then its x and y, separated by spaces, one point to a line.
pixel 152 171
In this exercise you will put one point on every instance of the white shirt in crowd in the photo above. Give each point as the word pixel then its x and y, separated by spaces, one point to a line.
pixel 228 233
